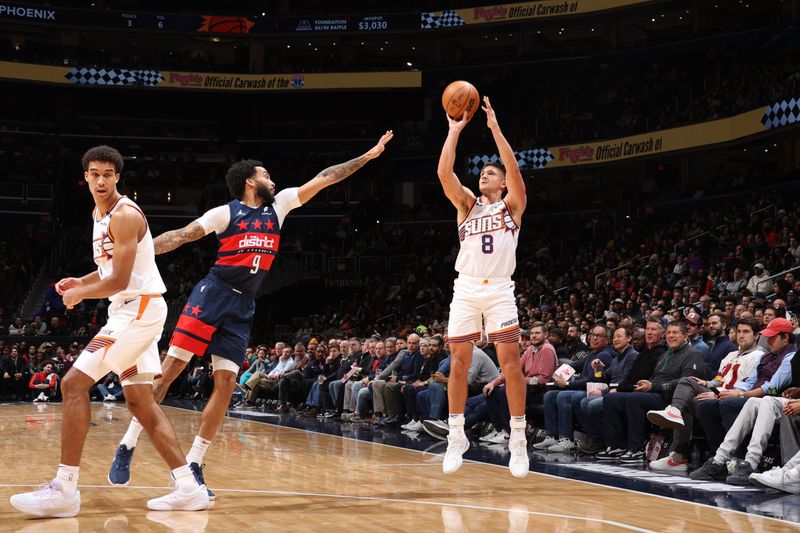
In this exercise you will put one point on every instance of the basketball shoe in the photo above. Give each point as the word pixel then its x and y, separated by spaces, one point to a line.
pixel 49 500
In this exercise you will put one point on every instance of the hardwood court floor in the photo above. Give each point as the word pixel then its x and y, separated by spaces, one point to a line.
pixel 281 479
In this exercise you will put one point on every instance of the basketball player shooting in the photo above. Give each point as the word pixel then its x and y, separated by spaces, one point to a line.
pixel 218 316
pixel 128 345
pixel 483 292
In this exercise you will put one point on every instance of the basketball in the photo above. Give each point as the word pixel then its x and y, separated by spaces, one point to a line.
pixel 460 97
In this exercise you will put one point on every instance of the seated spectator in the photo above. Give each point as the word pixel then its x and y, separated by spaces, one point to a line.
pixel 330 365
pixel 17 327
pixel 432 354
pixel 719 342
pixel 299 381
pixel 260 364
pixel 391 391
pixel 249 358
pixel 57 328
pixel 481 371
pixel 262 382
pixel 555 337
pixel 538 363
pixel 576 348
pixel 364 400
pixel 771 374
pixel 787 477
pixel 758 416
pixel 362 354
pixel 14 374
pixel 621 408
pixel 44 383
pixel 37 327
pixel 758 281
pixel 560 404
pixel 731 378
pixel 377 362
pixel 591 407
pixel 110 389
pixel 694 323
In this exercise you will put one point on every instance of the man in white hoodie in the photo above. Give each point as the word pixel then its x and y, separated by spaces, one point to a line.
pixel 732 374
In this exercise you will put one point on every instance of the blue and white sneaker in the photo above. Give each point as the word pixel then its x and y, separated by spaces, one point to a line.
pixel 197 470
pixel 120 472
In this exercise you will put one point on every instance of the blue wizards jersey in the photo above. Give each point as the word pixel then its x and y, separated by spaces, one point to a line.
pixel 249 243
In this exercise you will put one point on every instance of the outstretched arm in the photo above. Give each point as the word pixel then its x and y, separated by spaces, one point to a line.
pixel 516 198
pixel 459 196
pixel 168 241
pixel 337 173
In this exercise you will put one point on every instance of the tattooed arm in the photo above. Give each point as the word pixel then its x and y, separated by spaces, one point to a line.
pixel 337 173
pixel 168 241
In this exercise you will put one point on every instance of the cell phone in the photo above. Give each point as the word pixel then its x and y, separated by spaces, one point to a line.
pixel 714 390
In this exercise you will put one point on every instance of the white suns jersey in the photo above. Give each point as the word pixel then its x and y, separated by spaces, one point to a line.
pixel 145 278
pixel 488 241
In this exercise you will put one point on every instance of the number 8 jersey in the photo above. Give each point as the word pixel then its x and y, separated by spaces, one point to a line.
pixel 248 239
pixel 488 241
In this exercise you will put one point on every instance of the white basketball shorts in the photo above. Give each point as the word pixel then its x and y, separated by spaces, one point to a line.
pixel 128 343
pixel 483 303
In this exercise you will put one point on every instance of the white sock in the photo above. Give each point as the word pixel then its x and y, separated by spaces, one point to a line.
pixel 517 424
pixel 198 450
pixel 131 436
pixel 456 423
pixel 68 477
pixel 184 479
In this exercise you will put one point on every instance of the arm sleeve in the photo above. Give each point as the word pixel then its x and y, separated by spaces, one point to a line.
pixel 215 219
pixel 285 201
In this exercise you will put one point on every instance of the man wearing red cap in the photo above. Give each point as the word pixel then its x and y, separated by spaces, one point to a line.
pixel 758 415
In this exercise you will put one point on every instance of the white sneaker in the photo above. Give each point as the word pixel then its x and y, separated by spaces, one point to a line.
pixel 408 425
pixel 519 464
pixel 196 500
pixel 489 436
pixel 416 426
pixel 670 417
pixel 546 443
pixel 500 438
pixel 49 500
pixel 779 478
pixel 562 446
pixel 110 398
pixel 41 398
pixel 674 463
pixel 457 444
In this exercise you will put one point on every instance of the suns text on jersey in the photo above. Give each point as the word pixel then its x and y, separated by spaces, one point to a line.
pixel 487 224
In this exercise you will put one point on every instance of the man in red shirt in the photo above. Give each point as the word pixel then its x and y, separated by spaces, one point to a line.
pixel 538 363
pixel 45 383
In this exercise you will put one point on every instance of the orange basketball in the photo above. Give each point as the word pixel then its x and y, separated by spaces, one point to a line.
pixel 460 97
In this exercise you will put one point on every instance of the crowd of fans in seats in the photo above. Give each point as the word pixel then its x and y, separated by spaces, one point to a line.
pixel 672 321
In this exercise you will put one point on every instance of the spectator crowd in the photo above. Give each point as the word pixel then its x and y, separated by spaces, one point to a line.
pixel 685 349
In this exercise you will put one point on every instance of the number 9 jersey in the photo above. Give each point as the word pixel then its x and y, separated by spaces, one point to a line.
pixel 488 238
pixel 248 239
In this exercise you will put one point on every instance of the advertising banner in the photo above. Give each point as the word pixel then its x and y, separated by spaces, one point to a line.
pixel 150 78
pixel 775 115
pixel 520 11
